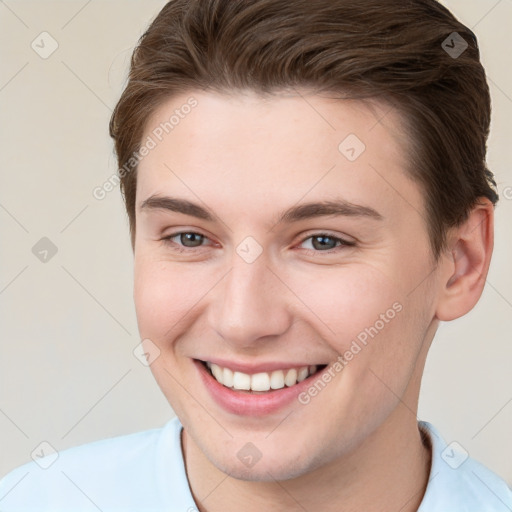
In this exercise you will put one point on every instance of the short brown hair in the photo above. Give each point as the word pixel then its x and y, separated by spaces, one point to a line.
pixel 395 51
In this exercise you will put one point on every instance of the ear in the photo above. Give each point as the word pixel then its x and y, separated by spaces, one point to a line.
pixel 464 266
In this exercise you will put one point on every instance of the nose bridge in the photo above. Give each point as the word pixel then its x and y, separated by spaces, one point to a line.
pixel 250 304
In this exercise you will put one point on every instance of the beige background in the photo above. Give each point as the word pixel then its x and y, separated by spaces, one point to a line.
pixel 68 329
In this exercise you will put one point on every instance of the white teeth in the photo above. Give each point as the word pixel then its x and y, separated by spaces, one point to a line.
pixel 217 371
pixel 263 381
pixel 241 380
pixel 302 373
pixel 291 377
pixel 277 379
pixel 227 377
pixel 259 382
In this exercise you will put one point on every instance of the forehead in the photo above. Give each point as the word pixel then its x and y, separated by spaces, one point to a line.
pixel 243 148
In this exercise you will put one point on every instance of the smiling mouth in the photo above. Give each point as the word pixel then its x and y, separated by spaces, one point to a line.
pixel 261 382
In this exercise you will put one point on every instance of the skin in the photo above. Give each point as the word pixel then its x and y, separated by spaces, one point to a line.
pixel 247 158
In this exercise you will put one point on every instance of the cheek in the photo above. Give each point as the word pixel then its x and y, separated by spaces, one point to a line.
pixel 165 295
pixel 157 296
pixel 349 301
pixel 368 318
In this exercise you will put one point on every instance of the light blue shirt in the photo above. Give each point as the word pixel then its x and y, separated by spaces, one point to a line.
pixel 145 472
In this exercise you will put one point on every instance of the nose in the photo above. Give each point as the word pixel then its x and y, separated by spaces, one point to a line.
pixel 250 304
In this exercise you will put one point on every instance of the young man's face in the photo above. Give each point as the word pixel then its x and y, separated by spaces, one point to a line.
pixel 259 293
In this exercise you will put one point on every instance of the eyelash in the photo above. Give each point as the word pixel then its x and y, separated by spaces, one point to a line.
pixel 342 243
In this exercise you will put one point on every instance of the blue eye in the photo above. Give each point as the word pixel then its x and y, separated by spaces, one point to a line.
pixel 195 239
pixel 326 243
pixel 321 242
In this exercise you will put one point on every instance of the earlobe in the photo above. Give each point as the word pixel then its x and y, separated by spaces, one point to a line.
pixel 464 269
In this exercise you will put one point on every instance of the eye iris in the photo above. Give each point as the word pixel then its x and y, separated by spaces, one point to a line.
pixel 323 244
pixel 195 238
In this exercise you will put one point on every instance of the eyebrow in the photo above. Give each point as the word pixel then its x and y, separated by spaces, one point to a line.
pixel 338 207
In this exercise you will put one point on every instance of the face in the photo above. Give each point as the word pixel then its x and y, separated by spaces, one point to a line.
pixel 276 251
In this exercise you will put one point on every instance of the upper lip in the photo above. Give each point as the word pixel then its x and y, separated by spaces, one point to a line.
pixel 251 368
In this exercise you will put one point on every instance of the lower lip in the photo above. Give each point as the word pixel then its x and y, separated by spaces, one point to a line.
pixel 249 404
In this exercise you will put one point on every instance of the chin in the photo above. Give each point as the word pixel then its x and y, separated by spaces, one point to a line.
pixel 264 473
pixel 268 470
